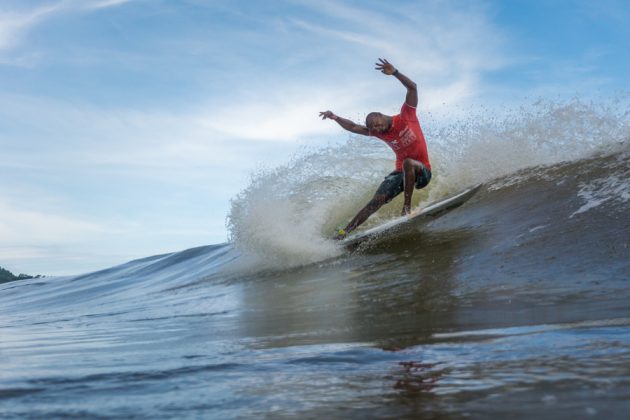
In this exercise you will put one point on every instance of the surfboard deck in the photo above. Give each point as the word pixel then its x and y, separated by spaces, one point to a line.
pixel 421 215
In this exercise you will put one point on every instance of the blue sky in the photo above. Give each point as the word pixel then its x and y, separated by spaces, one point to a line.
pixel 126 126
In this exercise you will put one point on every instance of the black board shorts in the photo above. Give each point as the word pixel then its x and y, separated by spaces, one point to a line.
pixel 394 183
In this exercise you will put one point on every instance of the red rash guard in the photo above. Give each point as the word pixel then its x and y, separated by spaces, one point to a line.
pixel 405 138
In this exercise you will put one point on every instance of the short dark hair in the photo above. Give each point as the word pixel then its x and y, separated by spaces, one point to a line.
pixel 370 116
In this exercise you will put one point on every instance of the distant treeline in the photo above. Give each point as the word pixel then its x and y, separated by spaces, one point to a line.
pixel 6 275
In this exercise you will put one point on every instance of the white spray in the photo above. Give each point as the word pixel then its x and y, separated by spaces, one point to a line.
pixel 286 216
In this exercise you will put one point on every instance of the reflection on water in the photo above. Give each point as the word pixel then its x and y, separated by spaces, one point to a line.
pixel 391 297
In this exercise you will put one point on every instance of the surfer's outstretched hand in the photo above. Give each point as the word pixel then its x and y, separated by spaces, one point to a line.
pixel 327 114
pixel 385 67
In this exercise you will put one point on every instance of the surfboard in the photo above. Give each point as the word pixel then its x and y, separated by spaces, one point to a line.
pixel 416 217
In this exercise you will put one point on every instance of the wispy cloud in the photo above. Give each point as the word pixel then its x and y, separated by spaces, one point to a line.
pixel 103 4
pixel 52 133
pixel 431 37
pixel 286 114
pixel 442 47
pixel 361 38
pixel 44 231
pixel 440 56
pixel 21 225
pixel 244 91
pixel 16 23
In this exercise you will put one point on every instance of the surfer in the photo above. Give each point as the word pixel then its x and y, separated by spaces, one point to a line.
pixel 403 134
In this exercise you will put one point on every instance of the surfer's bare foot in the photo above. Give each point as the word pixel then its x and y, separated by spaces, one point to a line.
pixel 405 211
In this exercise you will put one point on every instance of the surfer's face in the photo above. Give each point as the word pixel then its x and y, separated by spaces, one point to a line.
pixel 377 122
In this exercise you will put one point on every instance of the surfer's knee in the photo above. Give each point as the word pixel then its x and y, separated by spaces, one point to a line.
pixel 409 164
pixel 378 200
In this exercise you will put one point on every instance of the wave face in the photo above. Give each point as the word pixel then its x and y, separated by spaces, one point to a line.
pixel 516 304
pixel 283 218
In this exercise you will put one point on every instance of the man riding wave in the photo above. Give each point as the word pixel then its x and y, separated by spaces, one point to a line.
pixel 403 134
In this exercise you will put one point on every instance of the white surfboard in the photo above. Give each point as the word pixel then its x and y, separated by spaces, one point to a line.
pixel 423 215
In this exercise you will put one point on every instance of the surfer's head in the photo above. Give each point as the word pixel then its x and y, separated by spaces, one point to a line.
pixel 378 123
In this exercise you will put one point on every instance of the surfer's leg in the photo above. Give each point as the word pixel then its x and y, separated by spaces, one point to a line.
pixel 411 169
pixel 415 174
pixel 391 186
pixel 370 208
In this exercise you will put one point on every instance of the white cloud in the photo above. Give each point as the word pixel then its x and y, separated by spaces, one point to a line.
pixel 444 49
pixel 51 133
pixel 14 24
pixel 216 141
pixel 441 57
pixel 103 4
pixel 27 226
pixel 44 233
pixel 21 253
pixel 362 39
pixel 286 115
pixel 426 33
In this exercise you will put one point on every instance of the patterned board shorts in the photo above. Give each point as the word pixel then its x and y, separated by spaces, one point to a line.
pixel 394 183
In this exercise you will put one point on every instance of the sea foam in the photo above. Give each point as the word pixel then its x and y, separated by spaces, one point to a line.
pixel 287 214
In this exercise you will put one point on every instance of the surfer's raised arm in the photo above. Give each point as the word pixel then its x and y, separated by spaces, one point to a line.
pixel 345 123
pixel 387 68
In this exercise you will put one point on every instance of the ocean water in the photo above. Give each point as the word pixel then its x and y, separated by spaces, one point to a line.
pixel 515 305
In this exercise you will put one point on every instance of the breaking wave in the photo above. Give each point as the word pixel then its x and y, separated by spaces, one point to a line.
pixel 287 214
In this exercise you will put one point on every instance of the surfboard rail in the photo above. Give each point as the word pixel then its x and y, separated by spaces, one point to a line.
pixel 433 210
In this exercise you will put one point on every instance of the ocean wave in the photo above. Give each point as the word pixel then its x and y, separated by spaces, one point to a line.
pixel 287 215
